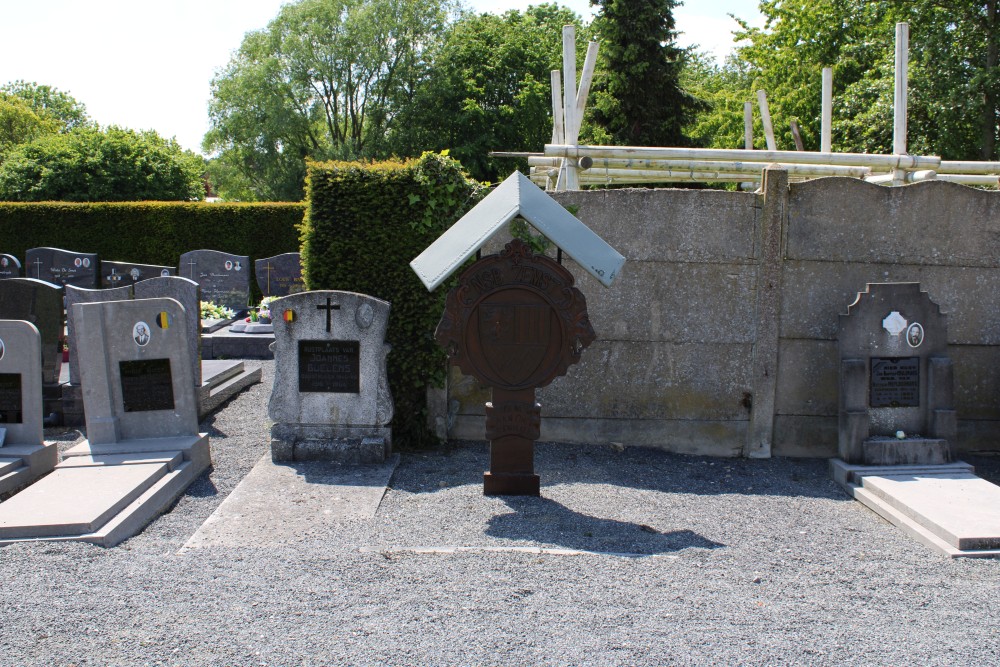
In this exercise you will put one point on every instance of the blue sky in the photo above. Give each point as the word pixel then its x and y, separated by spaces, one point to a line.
pixel 147 65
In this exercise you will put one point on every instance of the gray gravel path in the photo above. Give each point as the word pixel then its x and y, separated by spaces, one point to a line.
pixel 721 562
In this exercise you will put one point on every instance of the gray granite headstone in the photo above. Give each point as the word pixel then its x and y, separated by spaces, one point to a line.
pixel 185 292
pixel 9 266
pixel 224 278
pixel 896 395
pixel 40 303
pixel 119 274
pixel 63 267
pixel 280 275
pixel 80 295
pixel 135 370
pixel 20 383
pixel 331 398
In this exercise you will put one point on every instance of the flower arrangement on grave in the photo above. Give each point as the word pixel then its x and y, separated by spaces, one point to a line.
pixel 213 311
pixel 262 313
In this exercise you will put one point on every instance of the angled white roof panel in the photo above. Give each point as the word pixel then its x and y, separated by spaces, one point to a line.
pixel 517 195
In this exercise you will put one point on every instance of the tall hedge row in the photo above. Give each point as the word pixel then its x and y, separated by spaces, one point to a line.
pixel 363 226
pixel 151 232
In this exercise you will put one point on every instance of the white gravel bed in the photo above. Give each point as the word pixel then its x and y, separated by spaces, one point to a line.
pixel 629 558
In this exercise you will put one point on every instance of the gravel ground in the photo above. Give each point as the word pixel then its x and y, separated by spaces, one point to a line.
pixel 698 562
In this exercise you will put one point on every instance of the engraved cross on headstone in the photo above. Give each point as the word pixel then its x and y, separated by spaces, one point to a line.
pixel 329 308
pixel 38 268
pixel 192 263
pixel 267 268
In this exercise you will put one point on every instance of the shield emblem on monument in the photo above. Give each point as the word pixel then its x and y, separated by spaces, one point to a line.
pixel 515 339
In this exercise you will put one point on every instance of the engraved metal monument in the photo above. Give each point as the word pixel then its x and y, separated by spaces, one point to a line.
pixel 896 404
pixel 515 322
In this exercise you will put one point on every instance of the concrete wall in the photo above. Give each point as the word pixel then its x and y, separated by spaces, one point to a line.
pixel 719 336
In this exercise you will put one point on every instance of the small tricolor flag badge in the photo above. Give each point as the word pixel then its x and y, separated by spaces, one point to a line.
pixel 163 319
pixel 289 315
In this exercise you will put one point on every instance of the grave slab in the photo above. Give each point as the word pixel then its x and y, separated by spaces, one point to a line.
pixel 281 503
pixel 140 399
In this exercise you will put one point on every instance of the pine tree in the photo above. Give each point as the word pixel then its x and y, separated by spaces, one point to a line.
pixel 638 100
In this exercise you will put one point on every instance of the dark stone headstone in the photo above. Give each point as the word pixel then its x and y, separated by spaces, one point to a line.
pixel 119 274
pixel 280 275
pixel 224 278
pixel 515 322
pixel 896 395
pixel 40 303
pixel 63 267
pixel 9 266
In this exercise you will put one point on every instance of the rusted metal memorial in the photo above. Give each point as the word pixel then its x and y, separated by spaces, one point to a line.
pixel 515 321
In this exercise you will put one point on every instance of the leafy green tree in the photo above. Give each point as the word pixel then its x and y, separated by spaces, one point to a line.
pixel 637 96
pixel 19 123
pixel 90 164
pixel 322 81
pixel 49 102
pixel 489 89
pixel 954 79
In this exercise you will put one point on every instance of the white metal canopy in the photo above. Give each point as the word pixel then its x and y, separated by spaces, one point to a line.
pixel 517 196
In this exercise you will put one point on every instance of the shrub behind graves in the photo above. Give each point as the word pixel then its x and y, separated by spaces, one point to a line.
pixel 151 232
pixel 364 224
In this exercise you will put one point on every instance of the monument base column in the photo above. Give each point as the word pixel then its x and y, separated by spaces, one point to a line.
pixel 513 419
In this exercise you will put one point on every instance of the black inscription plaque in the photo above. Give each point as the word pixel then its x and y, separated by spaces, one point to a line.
pixel 330 366
pixel 895 382
pixel 146 385
pixel 10 398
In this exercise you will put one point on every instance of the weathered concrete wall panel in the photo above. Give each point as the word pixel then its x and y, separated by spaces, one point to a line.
pixel 668 225
pixel 933 222
pixel 807 377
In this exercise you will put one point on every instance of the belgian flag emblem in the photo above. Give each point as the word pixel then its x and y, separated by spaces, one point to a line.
pixel 163 320
pixel 289 315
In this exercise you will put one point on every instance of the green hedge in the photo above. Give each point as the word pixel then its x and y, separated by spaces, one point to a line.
pixel 363 226
pixel 151 232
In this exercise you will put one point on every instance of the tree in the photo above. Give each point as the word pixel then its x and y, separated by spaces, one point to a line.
pixel 322 81
pixel 19 123
pixel 489 89
pixel 90 164
pixel 49 102
pixel 638 100
pixel 954 79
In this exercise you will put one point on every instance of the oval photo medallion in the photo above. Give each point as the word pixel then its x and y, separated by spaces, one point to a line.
pixel 915 335
pixel 141 333
pixel 1 348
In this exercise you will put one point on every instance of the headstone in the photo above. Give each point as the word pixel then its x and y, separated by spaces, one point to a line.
pixel 63 267
pixel 185 292
pixel 20 383
pixel 40 303
pixel 143 447
pixel 280 275
pixel 119 274
pixel 331 398
pixel 224 278
pixel 136 368
pixel 514 322
pixel 24 455
pixel 9 266
pixel 76 295
pixel 896 395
